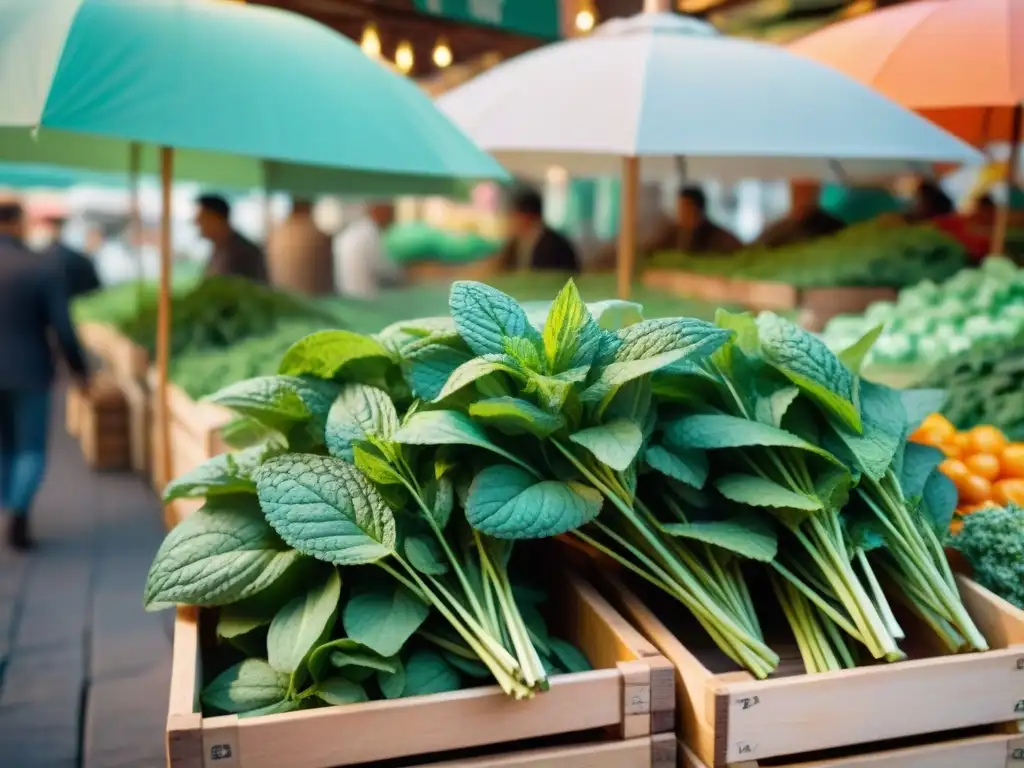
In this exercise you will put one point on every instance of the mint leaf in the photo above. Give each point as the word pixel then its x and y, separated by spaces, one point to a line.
pixel 431 368
pixel 569 656
pixel 359 413
pixel 571 337
pixel 326 354
pixel 374 466
pixel 365 659
pixel 349 654
pixel 687 465
pixel 302 623
pixel 474 370
pixel 806 361
pixel 326 508
pixel 938 502
pixel 516 417
pixel 772 403
pixel 615 314
pixel 615 443
pixel 748 535
pixel 392 684
pixel 250 685
pixel 524 354
pixel 425 555
pixel 853 356
pixel 426 672
pixel 448 428
pixel 339 691
pixel 508 503
pixel 215 558
pixel 273 401
pixel 756 491
pixel 716 431
pixel 884 427
pixel 919 461
pixel 485 317
pixel 219 475
pixel 383 617
pixel 696 339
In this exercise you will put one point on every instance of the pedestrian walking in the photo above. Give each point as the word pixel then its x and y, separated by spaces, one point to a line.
pixel 81 272
pixel 33 309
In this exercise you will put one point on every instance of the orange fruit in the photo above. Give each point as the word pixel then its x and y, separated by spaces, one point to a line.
pixel 963 441
pixel 1012 461
pixel 956 526
pixel 955 470
pixel 1006 491
pixel 973 489
pixel 951 450
pixel 972 508
pixel 927 437
pixel 984 465
pixel 939 425
pixel 987 439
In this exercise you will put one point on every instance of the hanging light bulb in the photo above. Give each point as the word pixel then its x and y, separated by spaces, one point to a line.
pixel 404 57
pixel 370 42
pixel 442 54
pixel 585 17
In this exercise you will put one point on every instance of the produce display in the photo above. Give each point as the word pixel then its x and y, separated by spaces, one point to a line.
pixel 986 386
pixel 406 243
pixel 931 322
pixel 875 253
pixel 118 304
pixel 992 541
pixel 986 468
pixel 367 525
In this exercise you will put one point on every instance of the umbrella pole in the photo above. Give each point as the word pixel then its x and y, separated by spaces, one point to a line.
pixel 627 225
pixel 1003 214
pixel 163 326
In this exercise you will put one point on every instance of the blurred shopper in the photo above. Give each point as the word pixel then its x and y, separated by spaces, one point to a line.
pixel 806 220
pixel 361 264
pixel 232 254
pixel 33 309
pixel 693 231
pixel 930 202
pixel 299 255
pixel 534 245
pixel 81 272
pixel 933 206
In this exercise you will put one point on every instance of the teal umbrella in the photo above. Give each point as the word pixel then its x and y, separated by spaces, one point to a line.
pixel 231 94
pixel 25 176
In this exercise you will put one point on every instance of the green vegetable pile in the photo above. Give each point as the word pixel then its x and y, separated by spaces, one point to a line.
pixel 697 455
pixel 992 540
pixel 931 322
pixel 986 386
pixel 869 254
pixel 415 241
pixel 118 304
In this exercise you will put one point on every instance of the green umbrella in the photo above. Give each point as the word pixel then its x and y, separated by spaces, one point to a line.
pixel 246 96
pixel 26 176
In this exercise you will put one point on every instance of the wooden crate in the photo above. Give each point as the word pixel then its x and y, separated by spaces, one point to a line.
pixel 819 305
pixel 438 271
pixel 103 425
pixel 121 355
pixel 628 697
pixel 707 288
pixel 195 429
pixel 730 719
pixel 764 295
pixel 998 750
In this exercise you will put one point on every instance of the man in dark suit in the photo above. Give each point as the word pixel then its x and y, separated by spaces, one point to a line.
pixel 534 245
pixel 232 254
pixel 33 305
pixel 81 273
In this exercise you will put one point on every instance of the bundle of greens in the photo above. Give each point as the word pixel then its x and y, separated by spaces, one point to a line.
pixel 693 454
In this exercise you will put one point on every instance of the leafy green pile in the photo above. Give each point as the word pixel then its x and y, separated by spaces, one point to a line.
pixel 931 322
pixel 992 540
pixel 869 254
pixel 415 241
pixel 694 454
pixel 118 304
pixel 986 386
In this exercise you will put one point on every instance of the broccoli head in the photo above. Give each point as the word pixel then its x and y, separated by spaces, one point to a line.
pixel 992 540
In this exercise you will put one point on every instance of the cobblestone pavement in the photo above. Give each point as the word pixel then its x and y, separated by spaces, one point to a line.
pixel 84 671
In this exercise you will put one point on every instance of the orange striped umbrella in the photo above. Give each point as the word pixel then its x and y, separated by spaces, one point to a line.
pixel 960 63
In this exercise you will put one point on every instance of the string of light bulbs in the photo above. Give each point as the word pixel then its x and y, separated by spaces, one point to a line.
pixel 405 55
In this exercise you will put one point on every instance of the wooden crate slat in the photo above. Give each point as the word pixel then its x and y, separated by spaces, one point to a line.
pixel 119 353
pixel 732 719
pixel 995 751
pixel 616 698
pixel 658 751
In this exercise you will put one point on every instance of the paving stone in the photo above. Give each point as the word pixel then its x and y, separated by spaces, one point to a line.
pixel 39 735
pixel 125 720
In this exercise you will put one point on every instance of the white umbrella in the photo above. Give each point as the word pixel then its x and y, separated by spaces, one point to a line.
pixel 658 94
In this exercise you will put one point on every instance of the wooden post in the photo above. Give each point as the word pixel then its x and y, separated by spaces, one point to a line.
pixel 268 216
pixel 657 6
pixel 627 225
pixel 163 324
pixel 1003 214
